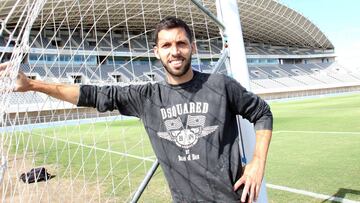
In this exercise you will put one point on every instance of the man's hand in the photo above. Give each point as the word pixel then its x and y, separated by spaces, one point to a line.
pixel 251 178
pixel 253 172
pixel 22 82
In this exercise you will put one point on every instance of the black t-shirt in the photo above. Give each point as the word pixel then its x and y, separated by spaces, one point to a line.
pixel 192 129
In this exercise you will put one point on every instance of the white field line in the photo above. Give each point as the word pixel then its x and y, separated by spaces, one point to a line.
pixel 320 132
pixel 100 149
pixel 311 194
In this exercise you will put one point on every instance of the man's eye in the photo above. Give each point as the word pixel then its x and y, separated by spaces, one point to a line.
pixel 182 44
pixel 165 46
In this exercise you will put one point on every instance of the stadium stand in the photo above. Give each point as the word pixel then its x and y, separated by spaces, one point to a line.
pixel 263 77
pixel 26 98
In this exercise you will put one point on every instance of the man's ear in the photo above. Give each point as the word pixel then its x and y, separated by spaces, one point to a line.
pixel 156 52
pixel 193 47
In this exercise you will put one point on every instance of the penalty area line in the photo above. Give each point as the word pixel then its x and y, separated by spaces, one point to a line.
pixel 311 194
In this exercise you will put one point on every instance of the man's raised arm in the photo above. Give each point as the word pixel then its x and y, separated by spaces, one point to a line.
pixel 65 92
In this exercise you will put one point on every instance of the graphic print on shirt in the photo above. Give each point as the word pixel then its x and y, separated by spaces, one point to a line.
pixel 186 136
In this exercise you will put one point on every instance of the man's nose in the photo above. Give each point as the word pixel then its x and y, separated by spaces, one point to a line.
pixel 174 50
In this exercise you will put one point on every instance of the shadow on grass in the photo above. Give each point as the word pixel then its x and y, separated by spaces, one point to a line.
pixel 340 194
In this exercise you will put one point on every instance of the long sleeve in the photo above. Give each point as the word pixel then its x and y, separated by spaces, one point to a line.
pixel 249 105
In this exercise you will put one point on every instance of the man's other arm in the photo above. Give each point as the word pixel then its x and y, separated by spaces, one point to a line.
pixel 257 111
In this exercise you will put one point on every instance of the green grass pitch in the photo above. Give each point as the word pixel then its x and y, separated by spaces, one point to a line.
pixel 315 147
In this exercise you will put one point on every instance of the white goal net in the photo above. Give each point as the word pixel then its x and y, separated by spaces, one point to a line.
pixel 90 156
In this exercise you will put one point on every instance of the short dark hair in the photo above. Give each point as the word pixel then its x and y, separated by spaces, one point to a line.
pixel 169 23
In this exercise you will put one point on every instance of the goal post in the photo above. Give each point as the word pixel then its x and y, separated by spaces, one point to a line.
pixel 228 12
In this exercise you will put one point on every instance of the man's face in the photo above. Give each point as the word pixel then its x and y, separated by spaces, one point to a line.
pixel 174 51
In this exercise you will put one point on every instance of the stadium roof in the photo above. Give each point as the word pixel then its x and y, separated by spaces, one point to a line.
pixel 263 21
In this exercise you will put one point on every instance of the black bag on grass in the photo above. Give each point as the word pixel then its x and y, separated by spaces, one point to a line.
pixel 35 175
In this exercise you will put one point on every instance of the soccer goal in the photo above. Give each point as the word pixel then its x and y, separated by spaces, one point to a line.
pixel 89 156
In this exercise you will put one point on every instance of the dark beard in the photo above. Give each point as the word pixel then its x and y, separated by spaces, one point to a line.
pixel 183 72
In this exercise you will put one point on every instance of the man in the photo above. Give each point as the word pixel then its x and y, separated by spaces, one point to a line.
pixel 190 119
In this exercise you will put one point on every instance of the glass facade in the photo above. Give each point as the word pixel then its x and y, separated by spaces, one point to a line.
pixel 61 59
pixel 262 61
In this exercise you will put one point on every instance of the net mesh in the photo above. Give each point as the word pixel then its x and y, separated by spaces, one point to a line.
pixel 91 156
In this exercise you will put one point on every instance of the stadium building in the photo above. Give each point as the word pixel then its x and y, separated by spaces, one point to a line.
pixel 285 51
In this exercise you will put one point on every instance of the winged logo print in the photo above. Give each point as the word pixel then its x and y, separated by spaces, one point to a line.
pixel 186 138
